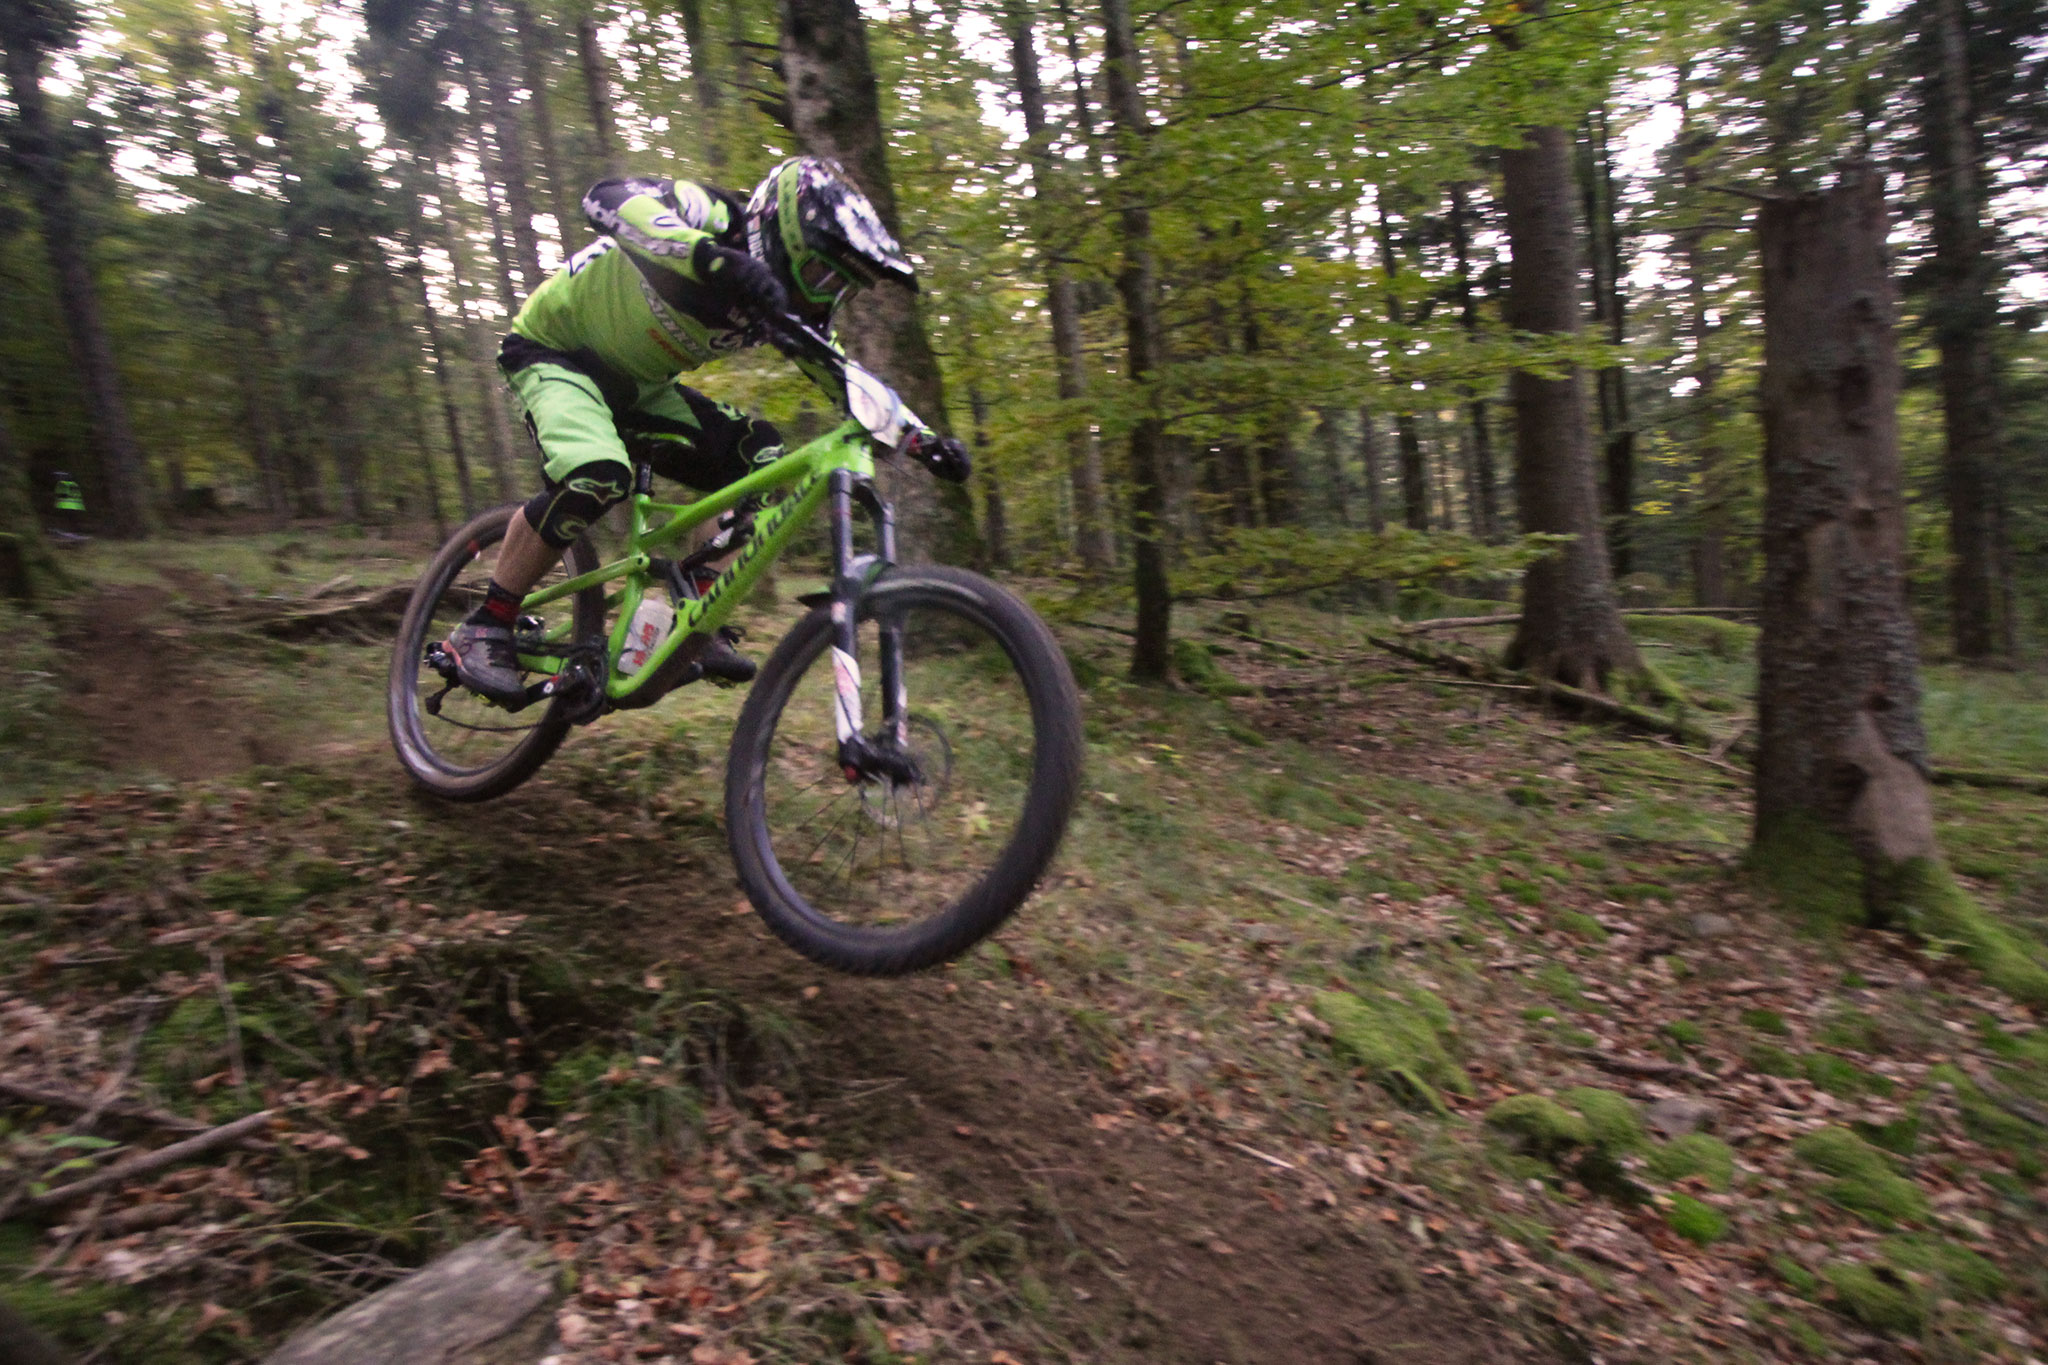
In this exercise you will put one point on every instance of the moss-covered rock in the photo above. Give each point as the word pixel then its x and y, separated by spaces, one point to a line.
pixel 1864 1182
pixel 1402 1040
pixel 1540 1124
pixel 1611 1119
pixel 1698 1155
pixel 1876 1298
pixel 1695 1221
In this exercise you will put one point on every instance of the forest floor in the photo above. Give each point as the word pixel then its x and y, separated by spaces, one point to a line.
pixel 1368 1017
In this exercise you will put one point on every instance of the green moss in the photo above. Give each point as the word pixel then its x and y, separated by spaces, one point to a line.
pixel 1802 1281
pixel 1580 926
pixel 1610 1118
pixel 1722 639
pixel 1813 871
pixel 1852 1031
pixel 1557 981
pixel 1541 1124
pixel 1924 896
pixel 1765 1021
pixel 1839 1077
pixel 1984 1118
pixel 1402 1042
pixel 1197 668
pixel 1525 892
pixel 1771 1060
pixel 1957 1271
pixel 1536 1014
pixel 1865 1182
pixel 1872 1297
pixel 1685 1033
pixel 1694 1221
pixel 1694 1154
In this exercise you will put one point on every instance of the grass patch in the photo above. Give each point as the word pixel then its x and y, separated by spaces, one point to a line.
pixel 1401 1040
pixel 1864 1183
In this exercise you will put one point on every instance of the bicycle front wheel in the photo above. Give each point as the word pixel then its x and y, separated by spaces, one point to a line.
pixel 882 876
pixel 453 742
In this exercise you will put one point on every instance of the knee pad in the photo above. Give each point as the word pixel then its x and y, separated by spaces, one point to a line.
pixel 562 508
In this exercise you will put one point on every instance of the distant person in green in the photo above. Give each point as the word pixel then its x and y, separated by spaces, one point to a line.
pixel 69 502
pixel 683 274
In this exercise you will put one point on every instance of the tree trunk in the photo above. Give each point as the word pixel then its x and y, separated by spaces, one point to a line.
pixel 1965 317
pixel 1486 498
pixel 1084 451
pixel 490 390
pixel 597 90
pixel 1840 748
pixel 430 483
pixel 1617 435
pixel 564 194
pixel 1334 473
pixel 1709 551
pixel 27 568
pixel 37 154
pixel 451 417
pixel 488 42
pixel 835 107
pixel 704 87
pixel 1369 457
pixel 1571 629
pixel 1408 442
pixel 1138 283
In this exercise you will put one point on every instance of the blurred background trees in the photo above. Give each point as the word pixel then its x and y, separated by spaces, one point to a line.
pixel 1243 271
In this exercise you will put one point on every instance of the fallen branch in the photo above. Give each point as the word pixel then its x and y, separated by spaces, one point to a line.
pixel 1631 1066
pixel 150 1162
pixel 375 611
pixel 67 1099
pixel 1972 777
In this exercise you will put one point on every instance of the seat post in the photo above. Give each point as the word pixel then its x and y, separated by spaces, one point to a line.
pixel 643 478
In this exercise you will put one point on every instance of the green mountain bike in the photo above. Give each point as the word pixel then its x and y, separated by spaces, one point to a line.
pixel 906 762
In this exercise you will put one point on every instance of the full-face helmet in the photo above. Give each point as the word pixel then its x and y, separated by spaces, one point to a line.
pixel 821 236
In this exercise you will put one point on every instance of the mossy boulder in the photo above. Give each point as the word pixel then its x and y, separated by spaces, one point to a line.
pixel 1403 1040
pixel 1693 1155
pixel 1611 1119
pixel 1877 1298
pixel 1865 1182
pixel 1540 1124
pixel 1695 1221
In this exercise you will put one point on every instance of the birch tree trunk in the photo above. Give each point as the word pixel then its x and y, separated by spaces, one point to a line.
pixel 836 112
pixel 1571 629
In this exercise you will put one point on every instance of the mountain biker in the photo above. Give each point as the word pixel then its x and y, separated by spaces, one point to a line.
pixel 682 274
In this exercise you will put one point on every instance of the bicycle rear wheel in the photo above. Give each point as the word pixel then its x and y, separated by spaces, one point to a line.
pixel 882 876
pixel 453 742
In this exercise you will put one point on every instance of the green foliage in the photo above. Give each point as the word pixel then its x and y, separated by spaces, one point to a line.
pixel 1267 561
pixel 1876 1298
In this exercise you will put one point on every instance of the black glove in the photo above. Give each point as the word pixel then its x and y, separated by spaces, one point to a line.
pixel 945 456
pixel 739 285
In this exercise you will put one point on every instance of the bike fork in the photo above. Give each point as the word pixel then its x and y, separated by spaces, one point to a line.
pixel 851 575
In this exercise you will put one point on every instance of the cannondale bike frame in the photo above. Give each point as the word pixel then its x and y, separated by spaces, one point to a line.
pixel 835 471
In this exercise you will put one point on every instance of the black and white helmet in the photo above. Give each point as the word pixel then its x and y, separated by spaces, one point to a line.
pixel 813 227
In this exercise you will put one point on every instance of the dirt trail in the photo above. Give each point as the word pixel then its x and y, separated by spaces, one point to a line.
pixel 1172 1252
pixel 147 698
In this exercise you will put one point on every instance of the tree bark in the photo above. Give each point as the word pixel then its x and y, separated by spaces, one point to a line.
pixel 451 416
pixel 430 482
pixel 1486 497
pixel 835 108
pixel 564 195
pixel 37 152
pixel 1408 441
pixel 490 390
pixel 1369 457
pixel 1965 317
pixel 487 41
pixel 1839 741
pixel 1084 451
pixel 1138 283
pixel 704 86
pixel 1571 629
pixel 597 91
pixel 1334 472
pixel 1709 551
pixel 27 568
pixel 1617 433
